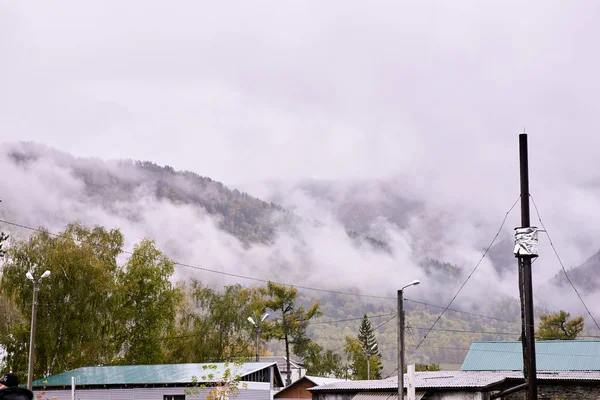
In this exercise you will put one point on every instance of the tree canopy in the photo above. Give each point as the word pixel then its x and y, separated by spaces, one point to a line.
pixel 212 324
pixel 558 326
pixel 363 353
pixel 76 310
pixel 293 322
pixel 148 302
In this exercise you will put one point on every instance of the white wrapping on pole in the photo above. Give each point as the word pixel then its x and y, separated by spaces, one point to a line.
pixel 410 391
pixel 526 242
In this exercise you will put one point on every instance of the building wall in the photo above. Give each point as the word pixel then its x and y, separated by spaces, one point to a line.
pixel 333 396
pixel 296 391
pixel 456 396
pixel 562 392
pixel 144 394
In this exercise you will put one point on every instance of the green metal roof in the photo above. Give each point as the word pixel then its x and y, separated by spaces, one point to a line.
pixel 151 374
pixel 551 355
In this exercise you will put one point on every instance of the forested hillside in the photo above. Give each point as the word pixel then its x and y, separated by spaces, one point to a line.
pixel 355 259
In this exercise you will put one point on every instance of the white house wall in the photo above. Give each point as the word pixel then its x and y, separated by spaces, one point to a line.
pixel 147 394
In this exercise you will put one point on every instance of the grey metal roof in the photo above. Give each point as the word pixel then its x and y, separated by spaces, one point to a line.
pixel 151 374
pixel 319 381
pixel 382 384
pixel 551 355
pixel 559 375
pixel 454 379
pixel 282 362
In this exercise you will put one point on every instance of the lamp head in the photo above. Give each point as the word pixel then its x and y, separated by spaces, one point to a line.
pixel 264 317
pixel 251 321
pixel 413 283
pixel 45 274
pixel 29 276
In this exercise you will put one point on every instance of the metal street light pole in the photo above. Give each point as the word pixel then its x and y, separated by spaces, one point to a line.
pixel 401 339
pixel 36 283
pixel 368 355
pixel 258 326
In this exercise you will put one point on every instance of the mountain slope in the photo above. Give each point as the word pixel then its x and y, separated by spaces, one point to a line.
pixel 585 277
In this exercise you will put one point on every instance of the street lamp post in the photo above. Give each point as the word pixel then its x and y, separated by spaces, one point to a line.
pixel 401 339
pixel 368 355
pixel 258 326
pixel 36 283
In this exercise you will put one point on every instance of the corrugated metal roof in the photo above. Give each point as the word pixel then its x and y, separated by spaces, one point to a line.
pixel 282 362
pixel 358 385
pixel 432 379
pixel 317 380
pixel 455 379
pixel 551 355
pixel 149 374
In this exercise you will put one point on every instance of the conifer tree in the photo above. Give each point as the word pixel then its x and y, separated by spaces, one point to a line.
pixel 368 344
pixel 559 327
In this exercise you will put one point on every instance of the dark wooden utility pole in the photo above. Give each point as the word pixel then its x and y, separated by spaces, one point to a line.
pixel 525 260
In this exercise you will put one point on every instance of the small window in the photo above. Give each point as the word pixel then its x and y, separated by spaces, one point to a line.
pixel 174 397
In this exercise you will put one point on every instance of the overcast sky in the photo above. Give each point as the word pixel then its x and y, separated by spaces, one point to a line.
pixel 433 92
pixel 256 90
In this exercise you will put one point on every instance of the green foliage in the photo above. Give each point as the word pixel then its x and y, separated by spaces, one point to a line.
pixel 326 364
pixel 292 326
pixel 558 326
pixel 11 317
pixel 363 364
pixel 212 324
pixel 366 337
pixel 225 387
pixel 370 349
pixel 76 313
pixel 91 311
pixel 147 305
pixel 427 367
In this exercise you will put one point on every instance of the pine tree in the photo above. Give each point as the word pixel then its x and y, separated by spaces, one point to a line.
pixel 559 327
pixel 366 338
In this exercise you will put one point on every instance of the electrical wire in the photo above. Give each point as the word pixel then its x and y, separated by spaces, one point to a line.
pixel 561 263
pixel 349 319
pixel 468 331
pixel 208 269
pixel 473 271
pixel 254 278
pixel 462 312
pixel 382 324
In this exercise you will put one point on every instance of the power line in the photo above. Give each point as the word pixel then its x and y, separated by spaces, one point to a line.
pixel 376 328
pixel 462 312
pixel 446 308
pixel 473 271
pixel 468 331
pixel 207 269
pixel 380 325
pixel 350 319
pixel 561 263
pixel 392 373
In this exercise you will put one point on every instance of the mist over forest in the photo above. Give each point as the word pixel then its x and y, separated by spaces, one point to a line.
pixel 363 237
